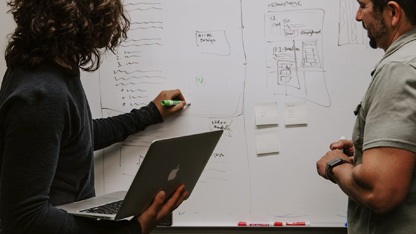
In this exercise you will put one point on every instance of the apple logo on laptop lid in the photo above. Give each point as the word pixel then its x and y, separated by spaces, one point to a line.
pixel 172 174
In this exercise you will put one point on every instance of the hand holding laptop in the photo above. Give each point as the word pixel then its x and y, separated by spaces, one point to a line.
pixel 159 208
pixel 172 163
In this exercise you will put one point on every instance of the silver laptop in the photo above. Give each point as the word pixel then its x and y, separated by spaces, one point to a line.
pixel 168 164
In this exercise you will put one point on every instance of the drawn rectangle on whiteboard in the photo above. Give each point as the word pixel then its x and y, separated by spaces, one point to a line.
pixel 195 52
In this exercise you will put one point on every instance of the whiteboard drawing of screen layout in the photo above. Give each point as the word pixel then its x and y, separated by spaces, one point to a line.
pixel 294 55
pixel 198 50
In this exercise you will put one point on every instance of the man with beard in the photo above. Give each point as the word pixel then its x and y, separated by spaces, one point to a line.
pixel 376 168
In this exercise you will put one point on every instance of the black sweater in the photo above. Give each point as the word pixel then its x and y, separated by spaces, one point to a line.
pixel 47 140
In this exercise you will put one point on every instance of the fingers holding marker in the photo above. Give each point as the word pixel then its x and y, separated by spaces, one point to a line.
pixel 169 102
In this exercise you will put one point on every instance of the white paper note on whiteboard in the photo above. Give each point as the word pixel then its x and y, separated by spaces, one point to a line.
pixel 267 143
pixel 296 113
pixel 266 113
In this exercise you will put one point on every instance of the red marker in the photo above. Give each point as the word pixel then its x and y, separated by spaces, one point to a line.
pixel 291 224
pixel 247 224
pixel 275 224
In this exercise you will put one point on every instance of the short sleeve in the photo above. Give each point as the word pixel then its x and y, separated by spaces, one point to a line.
pixel 391 105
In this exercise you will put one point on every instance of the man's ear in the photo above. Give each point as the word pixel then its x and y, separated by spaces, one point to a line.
pixel 395 12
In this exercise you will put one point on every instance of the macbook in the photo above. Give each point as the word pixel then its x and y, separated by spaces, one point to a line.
pixel 168 164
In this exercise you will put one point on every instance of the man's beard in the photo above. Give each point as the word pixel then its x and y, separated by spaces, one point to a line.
pixel 373 42
pixel 376 31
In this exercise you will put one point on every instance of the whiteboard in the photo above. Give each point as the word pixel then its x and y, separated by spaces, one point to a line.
pixel 230 57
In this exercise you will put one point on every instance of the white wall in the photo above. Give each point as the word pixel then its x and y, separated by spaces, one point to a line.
pixel 6 27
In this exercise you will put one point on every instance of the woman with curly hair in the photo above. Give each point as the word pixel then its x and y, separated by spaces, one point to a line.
pixel 47 134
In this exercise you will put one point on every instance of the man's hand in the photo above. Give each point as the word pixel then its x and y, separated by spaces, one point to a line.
pixel 345 145
pixel 321 164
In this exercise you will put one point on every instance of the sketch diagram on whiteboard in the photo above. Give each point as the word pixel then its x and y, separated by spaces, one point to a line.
pixel 350 31
pixel 294 55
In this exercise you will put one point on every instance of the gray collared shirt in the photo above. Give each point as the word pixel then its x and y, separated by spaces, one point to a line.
pixel 386 117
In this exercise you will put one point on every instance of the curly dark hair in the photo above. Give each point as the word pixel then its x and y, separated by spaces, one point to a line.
pixel 71 31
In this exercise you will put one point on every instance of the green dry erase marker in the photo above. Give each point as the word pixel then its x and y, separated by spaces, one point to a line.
pixel 172 102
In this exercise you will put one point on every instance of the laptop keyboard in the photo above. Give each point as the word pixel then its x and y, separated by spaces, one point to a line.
pixel 109 208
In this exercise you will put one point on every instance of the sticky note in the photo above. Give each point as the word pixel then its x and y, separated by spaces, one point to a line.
pixel 267 143
pixel 296 113
pixel 266 113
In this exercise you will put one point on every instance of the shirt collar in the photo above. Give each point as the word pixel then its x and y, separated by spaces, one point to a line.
pixel 400 42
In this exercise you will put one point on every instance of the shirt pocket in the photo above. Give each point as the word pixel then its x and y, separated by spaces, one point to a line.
pixel 358 133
